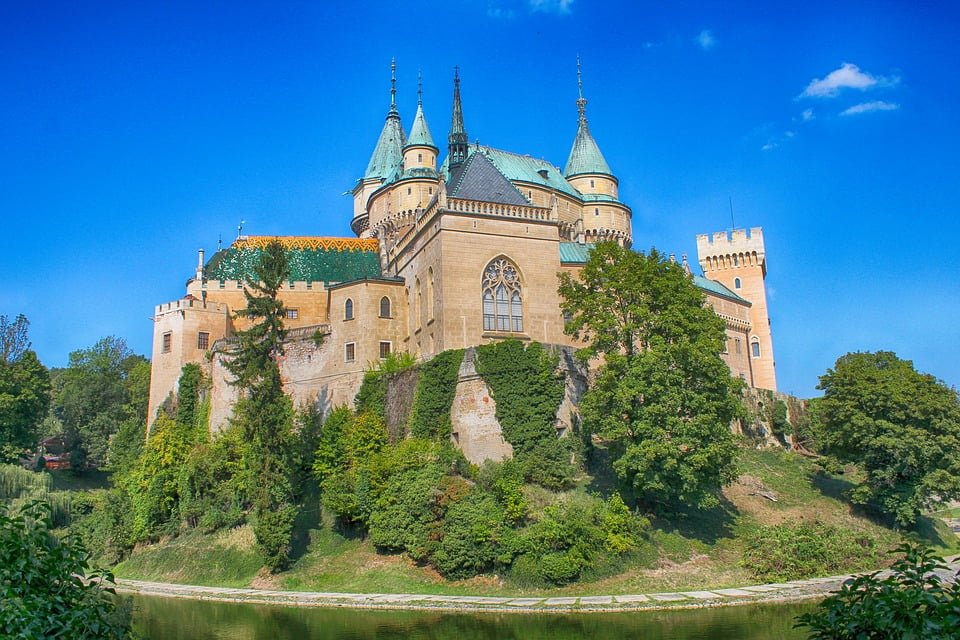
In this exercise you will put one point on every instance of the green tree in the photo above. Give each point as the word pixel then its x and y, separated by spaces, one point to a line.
pixel 24 390
pixel 901 426
pixel 102 387
pixel 663 398
pixel 42 593
pixel 264 413
pixel 912 602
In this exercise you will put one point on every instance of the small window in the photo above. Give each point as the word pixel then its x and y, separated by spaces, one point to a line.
pixel 350 352
pixel 348 309
pixel 223 285
pixel 430 191
pixel 239 284
pixel 385 349
pixel 592 185
pixel 167 341
pixel 409 190
pixel 736 283
pixel 293 314
pixel 736 346
pixel 596 212
pixel 291 284
pixel 309 285
pixel 203 340
pixel 419 157
pixel 755 348
pixel 384 307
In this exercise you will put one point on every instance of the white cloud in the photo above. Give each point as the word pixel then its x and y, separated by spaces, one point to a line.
pixel 848 76
pixel 706 40
pixel 770 146
pixel 499 13
pixel 789 134
pixel 807 115
pixel 561 7
pixel 867 107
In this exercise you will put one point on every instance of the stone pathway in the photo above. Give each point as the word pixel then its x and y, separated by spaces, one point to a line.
pixel 779 592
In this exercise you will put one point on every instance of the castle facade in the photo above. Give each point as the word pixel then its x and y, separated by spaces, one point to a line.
pixel 447 255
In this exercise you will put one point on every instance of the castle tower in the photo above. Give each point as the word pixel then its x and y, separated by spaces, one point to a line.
pixel 738 261
pixel 420 152
pixel 384 161
pixel 604 217
pixel 457 140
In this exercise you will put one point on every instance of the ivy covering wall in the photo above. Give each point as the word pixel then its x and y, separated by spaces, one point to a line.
pixel 436 388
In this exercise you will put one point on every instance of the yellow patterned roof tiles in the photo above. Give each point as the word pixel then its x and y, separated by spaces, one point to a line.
pixel 314 243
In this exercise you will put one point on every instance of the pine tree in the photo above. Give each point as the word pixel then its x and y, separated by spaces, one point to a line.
pixel 264 413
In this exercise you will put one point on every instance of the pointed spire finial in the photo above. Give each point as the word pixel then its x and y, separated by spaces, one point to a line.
pixel 581 101
pixel 458 140
pixel 393 85
pixel 419 88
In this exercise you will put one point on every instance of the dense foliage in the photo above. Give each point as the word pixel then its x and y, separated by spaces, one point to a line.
pixel 663 398
pixel 436 388
pixel 911 602
pixel 42 591
pixel 24 390
pixel 103 389
pixel 901 426
pixel 805 549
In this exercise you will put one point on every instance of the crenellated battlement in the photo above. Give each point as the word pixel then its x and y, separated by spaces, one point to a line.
pixel 190 303
pixel 731 249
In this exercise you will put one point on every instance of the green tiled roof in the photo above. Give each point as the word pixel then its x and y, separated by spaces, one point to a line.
pixel 585 156
pixel 578 253
pixel 311 260
pixel 420 132
pixel 388 154
pixel 523 168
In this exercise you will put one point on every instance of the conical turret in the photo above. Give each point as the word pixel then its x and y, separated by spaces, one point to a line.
pixel 585 156
pixel 457 140
pixel 420 132
pixel 388 153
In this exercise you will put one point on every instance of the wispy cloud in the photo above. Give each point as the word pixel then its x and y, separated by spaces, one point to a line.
pixel 769 146
pixel 706 40
pixel 867 107
pixel 561 7
pixel 807 115
pixel 848 76
pixel 500 13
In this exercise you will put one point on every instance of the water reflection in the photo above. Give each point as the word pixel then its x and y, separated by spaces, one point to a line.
pixel 172 619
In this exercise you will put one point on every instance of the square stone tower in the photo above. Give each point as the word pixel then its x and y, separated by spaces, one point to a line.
pixel 738 261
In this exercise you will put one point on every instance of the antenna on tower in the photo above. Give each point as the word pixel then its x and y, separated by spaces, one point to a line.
pixel 240 228
pixel 733 224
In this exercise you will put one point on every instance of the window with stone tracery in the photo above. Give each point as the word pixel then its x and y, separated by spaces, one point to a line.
pixel 502 299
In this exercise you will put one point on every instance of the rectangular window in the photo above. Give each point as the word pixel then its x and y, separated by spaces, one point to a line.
pixel 384 349
pixel 167 341
pixel 736 345
pixel 293 314
pixel 755 346
pixel 223 284
pixel 349 352
pixel 203 340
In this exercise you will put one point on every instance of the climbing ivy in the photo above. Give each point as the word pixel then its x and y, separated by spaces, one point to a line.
pixel 436 388
pixel 527 388
pixel 372 396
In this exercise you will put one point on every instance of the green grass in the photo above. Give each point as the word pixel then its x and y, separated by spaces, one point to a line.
pixel 692 550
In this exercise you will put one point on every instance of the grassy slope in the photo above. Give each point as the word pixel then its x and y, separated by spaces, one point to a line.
pixel 701 550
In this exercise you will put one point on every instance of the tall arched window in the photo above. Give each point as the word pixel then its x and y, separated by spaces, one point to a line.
pixel 384 307
pixel 502 300
pixel 431 303
pixel 736 283
pixel 755 348
pixel 348 309
pixel 417 307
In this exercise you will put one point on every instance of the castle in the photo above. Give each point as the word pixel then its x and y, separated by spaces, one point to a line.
pixel 447 256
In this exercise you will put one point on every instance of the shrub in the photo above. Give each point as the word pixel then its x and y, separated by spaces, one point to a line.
pixel 43 593
pixel 911 602
pixel 476 537
pixel 804 550
pixel 407 511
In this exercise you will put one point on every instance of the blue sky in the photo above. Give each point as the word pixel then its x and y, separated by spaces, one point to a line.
pixel 135 133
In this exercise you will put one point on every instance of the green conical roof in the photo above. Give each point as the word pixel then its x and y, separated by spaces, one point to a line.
pixel 585 156
pixel 388 154
pixel 420 132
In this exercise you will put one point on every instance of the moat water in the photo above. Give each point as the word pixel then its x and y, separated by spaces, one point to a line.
pixel 174 619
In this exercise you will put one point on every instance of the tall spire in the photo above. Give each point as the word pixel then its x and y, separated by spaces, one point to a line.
pixel 585 156
pixel 419 131
pixel 457 140
pixel 388 154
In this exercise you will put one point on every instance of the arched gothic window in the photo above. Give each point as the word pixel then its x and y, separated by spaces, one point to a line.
pixel 755 348
pixel 384 307
pixel 348 309
pixel 431 303
pixel 736 283
pixel 502 301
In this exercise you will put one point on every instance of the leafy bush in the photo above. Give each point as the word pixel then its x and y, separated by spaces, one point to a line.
pixel 911 602
pixel 214 483
pixel 43 593
pixel 804 550
pixel 407 511
pixel 476 537
pixel 436 388
pixel 372 396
